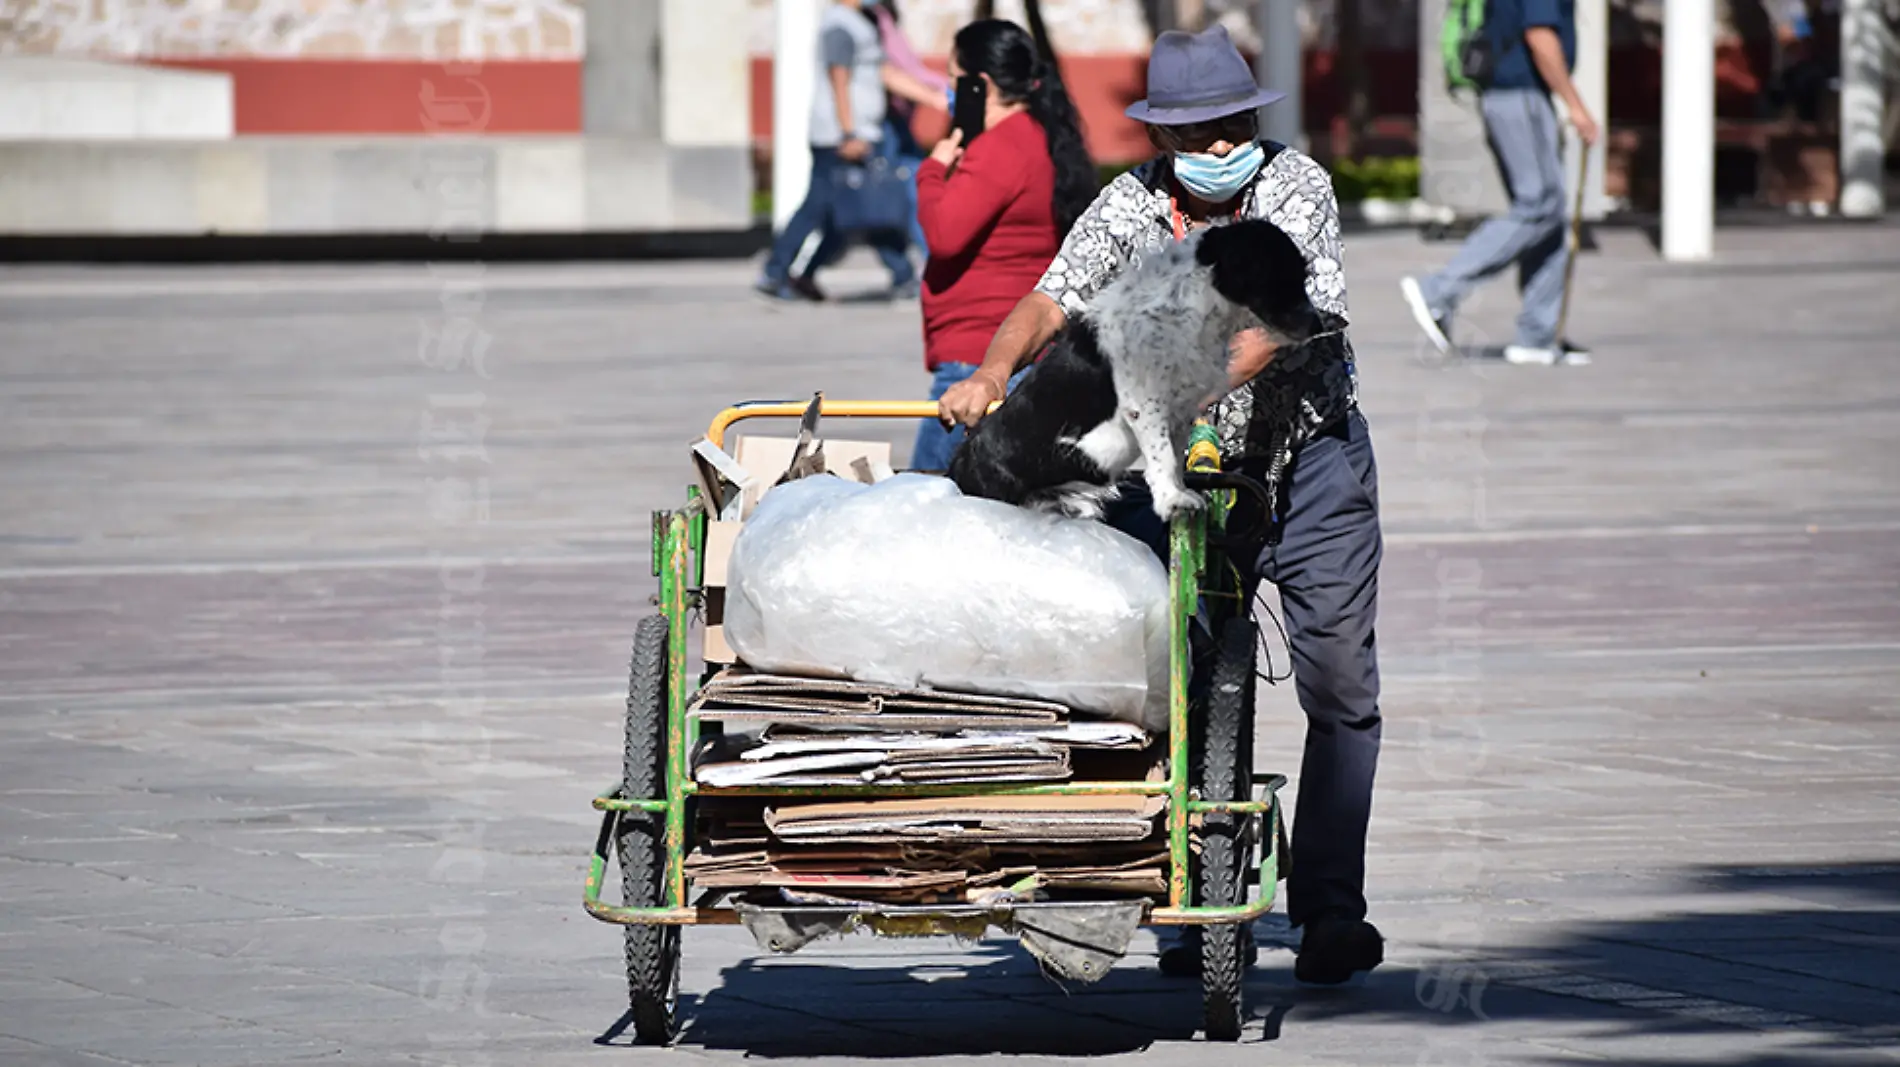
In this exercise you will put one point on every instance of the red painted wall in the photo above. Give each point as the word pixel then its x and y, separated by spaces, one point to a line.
pixel 307 96
pixel 386 96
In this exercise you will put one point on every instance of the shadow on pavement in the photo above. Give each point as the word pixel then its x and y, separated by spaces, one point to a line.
pixel 1801 953
pixel 1804 954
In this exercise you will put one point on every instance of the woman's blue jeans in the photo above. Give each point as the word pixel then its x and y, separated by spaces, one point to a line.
pixel 934 443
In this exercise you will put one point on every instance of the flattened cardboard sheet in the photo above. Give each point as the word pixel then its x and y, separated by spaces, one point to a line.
pixel 1103 736
pixel 894 886
pixel 988 819
pixel 975 873
pixel 736 695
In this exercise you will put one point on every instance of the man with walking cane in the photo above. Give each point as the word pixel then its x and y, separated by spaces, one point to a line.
pixel 1532 46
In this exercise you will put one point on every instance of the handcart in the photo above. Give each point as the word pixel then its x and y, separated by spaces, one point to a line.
pixel 1226 841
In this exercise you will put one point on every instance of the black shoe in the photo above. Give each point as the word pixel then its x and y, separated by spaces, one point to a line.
pixel 1183 958
pixel 806 286
pixel 1334 950
pixel 781 292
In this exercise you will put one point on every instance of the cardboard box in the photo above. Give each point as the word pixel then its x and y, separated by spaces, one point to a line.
pixel 720 535
pixel 766 458
pixel 763 461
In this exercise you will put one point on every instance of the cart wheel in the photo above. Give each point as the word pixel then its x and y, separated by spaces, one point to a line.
pixel 653 952
pixel 1225 773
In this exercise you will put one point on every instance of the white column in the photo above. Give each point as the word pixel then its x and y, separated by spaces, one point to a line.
pixel 1863 54
pixel 1279 67
pixel 794 76
pixel 1592 78
pixel 1688 130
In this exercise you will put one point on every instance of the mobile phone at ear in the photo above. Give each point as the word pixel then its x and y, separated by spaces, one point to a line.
pixel 972 102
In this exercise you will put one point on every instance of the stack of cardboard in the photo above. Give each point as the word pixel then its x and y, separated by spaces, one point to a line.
pixel 820 732
pixel 923 872
pixel 767 729
pixel 825 732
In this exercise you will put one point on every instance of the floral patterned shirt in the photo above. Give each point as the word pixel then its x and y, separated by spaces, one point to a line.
pixel 1303 390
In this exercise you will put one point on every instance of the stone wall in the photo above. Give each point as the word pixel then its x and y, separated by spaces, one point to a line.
pixel 295 29
pixel 553 29
pixel 1078 27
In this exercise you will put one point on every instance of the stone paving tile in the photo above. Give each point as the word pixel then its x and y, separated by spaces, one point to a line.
pixel 135 1030
pixel 15 1052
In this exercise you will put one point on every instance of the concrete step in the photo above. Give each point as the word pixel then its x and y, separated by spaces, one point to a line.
pixel 48 98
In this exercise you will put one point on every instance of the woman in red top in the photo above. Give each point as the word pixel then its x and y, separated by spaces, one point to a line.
pixel 994 214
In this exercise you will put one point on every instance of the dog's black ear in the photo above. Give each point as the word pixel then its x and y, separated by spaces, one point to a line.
pixel 1253 262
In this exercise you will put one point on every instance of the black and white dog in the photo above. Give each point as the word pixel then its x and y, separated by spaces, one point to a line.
pixel 1126 379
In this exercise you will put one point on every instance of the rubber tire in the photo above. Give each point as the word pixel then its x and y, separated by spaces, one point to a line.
pixel 1224 771
pixel 653 952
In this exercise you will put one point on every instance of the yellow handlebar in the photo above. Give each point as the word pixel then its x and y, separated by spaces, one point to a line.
pixel 874 409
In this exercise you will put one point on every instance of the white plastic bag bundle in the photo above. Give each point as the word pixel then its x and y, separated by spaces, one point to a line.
pixel 908 582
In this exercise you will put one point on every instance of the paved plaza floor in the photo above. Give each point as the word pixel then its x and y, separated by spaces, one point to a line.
pixel 312 655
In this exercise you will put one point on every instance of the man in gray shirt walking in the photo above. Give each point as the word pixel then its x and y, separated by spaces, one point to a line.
pixel 1536 42
pixel 847 121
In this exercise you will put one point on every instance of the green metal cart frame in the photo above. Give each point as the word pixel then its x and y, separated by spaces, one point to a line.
pixel 1201 582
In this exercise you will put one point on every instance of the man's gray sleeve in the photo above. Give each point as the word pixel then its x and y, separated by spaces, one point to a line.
pixel 837 47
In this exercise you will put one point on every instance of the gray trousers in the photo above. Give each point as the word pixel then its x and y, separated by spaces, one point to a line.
pixel 1521 125
pixel 1326 568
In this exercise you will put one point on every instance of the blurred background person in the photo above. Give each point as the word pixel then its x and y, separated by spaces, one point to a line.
pixel 994 213
pixel 901 142
pixel 899 146
pixel 848 115
pixel 1801 73
pixel 1536 47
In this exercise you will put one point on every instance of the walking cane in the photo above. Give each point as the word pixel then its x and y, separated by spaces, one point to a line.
pixel 1575 240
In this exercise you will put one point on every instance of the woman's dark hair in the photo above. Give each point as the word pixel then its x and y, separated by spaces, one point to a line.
pixel 1023 69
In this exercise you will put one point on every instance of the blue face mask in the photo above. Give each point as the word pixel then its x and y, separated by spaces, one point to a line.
pixel 1218 179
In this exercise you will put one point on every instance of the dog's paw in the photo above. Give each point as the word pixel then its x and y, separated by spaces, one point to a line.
pixel 1170 502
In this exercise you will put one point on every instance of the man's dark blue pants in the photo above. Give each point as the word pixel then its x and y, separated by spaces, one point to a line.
pixel 814 214
pixel 1326 567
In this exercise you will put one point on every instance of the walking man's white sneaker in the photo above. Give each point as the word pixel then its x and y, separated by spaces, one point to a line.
pixel 1565 354
pixel 1422 314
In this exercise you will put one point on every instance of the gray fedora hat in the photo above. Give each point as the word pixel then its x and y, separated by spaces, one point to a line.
pixel 1198 77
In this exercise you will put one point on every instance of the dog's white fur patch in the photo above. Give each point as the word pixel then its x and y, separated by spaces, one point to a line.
pixel 1164 329
pixel 1077 500
pixel 1111 446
